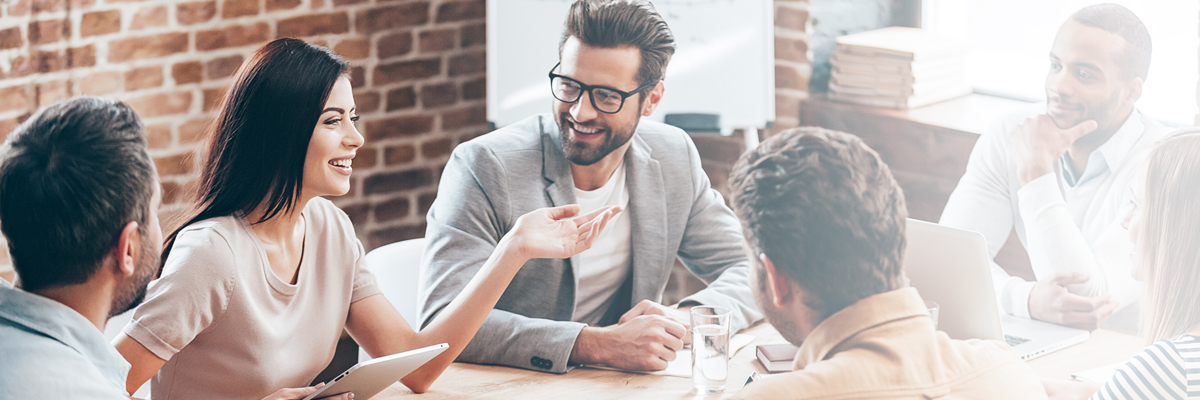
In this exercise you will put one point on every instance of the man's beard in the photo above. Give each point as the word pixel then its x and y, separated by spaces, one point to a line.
pixel 131 294
pixel 580 153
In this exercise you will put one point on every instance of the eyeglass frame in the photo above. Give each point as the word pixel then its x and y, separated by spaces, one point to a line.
pixel 588 88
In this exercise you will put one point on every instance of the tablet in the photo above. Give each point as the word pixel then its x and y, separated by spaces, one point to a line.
pixel 370 377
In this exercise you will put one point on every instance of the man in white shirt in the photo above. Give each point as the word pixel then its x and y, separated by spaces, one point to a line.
pixel 1060 176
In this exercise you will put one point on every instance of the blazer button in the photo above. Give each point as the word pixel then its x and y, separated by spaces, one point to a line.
pixel 541 363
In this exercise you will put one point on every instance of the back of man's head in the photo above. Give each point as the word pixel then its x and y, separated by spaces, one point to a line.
pixel 71 178
pixel 619 23
pixel 824 208
pixel 1120 21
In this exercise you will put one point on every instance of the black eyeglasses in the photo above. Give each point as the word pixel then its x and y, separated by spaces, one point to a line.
pixel 604 99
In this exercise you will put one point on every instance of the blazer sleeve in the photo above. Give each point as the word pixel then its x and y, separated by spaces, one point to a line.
pixel 464 225
pixel 712 250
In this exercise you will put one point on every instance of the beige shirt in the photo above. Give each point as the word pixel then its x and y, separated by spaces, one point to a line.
pixel 884 347
pixel 230 328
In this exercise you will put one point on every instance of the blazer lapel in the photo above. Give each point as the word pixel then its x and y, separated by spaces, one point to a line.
pixel 560 190
pixel 648 213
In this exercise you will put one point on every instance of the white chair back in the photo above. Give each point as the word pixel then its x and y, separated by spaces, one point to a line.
pixel 397 268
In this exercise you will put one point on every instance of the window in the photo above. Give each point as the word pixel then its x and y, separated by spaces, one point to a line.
pixel 1011 40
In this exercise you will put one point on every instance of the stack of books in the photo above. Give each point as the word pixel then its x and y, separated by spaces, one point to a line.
pixel 898 67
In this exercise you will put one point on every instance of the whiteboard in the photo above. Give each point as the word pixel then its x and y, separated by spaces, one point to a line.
pixel 723 63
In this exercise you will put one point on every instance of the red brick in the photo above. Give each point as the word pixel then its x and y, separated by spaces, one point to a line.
pixel 159 104
pixel 425 202
pixel 232 36
pixel 366 158
pixel 407 70
pixel 461 10
pixel 18 8
pixel 159 137
pixel 43 6
pixel 186 72
pixel 99 23
pixel 381 237
pixel 178 164
pixel 223 67
pixel 437 40
pixel 273 5
pixel 10 38
pixel 399 127
pixel 172 192
pixel 791 49
pixel 47 61
pixel 455 119
pixel 213 98
pixel 193 130
pixel 438 95
pixel 404 97
pixel 195 12
pixel 147 46
pixel 48 31
pixel 143 78
pixel 238 8
pixel 474 89
pixel 358 213
pixel 6 127
pixel 83 56
pixel 435 149
pixel 401 154
pixel 358 76
pixel 314 24
pixel 366 101
pixel 787 17
pixel 787 106
pixel 392 210
pixel 353 48
pixel 337 3
pixel 101 83
pixel 398 181
pixel 149 17
pixel 789 78
pixel 473 35
pixel 391 17
pixel 466 64
pixel 396 44
pixel 14 98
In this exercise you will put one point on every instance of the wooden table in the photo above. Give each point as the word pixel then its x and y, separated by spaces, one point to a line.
pixel 470 381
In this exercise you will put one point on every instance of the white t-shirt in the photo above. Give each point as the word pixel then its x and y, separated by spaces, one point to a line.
pixel 602 269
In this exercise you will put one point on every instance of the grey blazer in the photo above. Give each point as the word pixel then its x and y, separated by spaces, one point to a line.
pixel 492 180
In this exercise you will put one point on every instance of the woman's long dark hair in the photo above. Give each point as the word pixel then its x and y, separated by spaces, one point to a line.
pixel 258 142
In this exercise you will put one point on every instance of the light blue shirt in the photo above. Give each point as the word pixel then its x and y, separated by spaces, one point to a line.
pixel 50 351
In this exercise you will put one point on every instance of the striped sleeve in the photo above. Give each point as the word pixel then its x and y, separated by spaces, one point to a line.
pixel 1167 369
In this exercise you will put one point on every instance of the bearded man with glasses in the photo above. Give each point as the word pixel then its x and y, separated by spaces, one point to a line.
pixel 603 305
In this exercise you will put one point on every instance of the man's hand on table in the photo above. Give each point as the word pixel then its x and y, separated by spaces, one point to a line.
pixel 642 343
pixel 1037 143
pixel 681 316
pixel 1051 302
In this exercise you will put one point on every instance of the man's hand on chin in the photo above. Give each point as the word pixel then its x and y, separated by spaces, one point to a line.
pixel 1051 302
pixel 1038 142
pixel 641 343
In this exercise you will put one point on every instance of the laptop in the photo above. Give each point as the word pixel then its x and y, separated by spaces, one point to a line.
pixel 952 268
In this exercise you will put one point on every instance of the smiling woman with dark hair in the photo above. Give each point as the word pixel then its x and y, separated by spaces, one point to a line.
pixel 261 279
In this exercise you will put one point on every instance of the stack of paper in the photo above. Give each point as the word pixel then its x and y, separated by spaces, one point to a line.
pixel 898 67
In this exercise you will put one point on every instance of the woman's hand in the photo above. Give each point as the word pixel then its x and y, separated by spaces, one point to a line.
pixel 300 393
pixel 557 232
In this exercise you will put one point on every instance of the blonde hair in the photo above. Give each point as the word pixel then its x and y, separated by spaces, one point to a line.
pixel 1169 241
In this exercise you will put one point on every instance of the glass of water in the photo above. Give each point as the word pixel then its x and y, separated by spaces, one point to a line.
pixel 710 348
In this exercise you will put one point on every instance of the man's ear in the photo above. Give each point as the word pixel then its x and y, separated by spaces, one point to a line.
pixel 126 254
pixel 652 98
pixel 1135 90
pixel 781 287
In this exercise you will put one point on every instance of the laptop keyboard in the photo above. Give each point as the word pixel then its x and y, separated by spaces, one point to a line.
pixel 1014 340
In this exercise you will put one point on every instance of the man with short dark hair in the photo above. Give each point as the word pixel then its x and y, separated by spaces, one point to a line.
pixel 601 306
pixel 79 200
pixel 824 221
pixel 1059 175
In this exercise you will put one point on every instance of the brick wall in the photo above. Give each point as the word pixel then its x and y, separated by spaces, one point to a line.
pixel 418 73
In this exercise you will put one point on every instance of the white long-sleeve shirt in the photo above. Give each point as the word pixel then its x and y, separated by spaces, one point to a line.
pixel 1068 222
